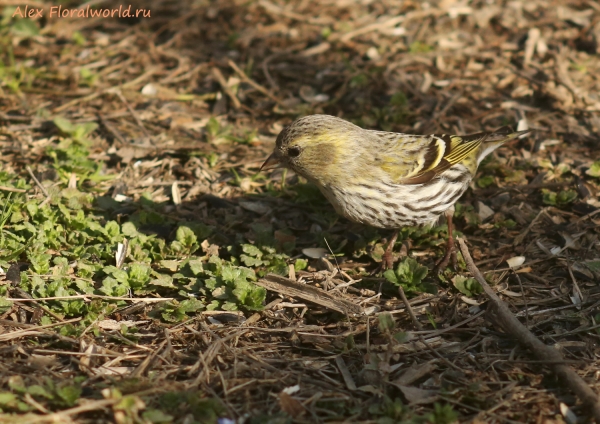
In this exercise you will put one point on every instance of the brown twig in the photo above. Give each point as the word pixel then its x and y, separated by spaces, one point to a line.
pixel 223 83
pixel 309 293
pixel 513 326
pixel 92 96
pixel 12 189
pixel 37 182
pixel 253 83
pixel 133 113
pixel 439 356
pixel 409 309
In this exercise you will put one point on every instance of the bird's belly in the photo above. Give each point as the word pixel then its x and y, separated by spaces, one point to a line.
pixel 395 206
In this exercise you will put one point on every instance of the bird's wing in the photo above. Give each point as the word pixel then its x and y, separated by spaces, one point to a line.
pixel 424 157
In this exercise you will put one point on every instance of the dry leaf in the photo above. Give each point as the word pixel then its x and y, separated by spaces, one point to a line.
pixel 290 405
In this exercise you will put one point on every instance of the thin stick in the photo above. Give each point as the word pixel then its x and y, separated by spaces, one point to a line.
pixel 223 83
pixel 409 309
pixel 95 296
pixel 589 215
pixel 135 116
pixel 94 405
pixel 438 355
pixel 12 189
pixel 253 83
pixel 37 182
pixel 92 96
pixel 513 326
pixel 18 333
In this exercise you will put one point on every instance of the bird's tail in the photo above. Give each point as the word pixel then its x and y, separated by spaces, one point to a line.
pixel 496 139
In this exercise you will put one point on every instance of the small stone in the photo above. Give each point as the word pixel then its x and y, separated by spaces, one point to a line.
pixel 315 252
pixel 257 207
pixel 373 54
pixel 484 211
pixel 500 200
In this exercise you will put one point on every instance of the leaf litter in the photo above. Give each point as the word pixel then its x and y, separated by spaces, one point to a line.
pixel 150 273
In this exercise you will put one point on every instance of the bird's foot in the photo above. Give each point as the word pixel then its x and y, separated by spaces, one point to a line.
pixel 449 257
pixel 387 259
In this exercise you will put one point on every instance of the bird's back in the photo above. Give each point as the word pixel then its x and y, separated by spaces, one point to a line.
pixel 393 180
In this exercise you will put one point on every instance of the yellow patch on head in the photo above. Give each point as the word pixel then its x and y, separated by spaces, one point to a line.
pixel 319 155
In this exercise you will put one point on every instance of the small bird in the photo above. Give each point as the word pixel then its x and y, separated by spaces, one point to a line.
pixel 385 179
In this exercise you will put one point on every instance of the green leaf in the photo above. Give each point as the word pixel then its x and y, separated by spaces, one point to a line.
pixel 562 198
pixel 17 384
pixel 172 266
pixel 5 305
pixel 196 266
pixel 386 322
pixel 485 181
pixel 213 127
pixel 594 170
pixel 8 399
pixel 230 306
pixel 120 275
pixel 442 414
pixel 593 265
pixel 409 271
pixel 252 261
pixel 187 238
pixel 279 266
pixel 565 197
pixel 69 394
pixel 112 229
pixel 139 275
pixel 78 39
pixel 191 305
pixel 548 197
pixel 420 47
pixel 408 274
pixel 64 125
pixel 174 311
pixel 41 263
pixel 25 28
pixel 111 287
pixel 40 391
pixel 467 286
pixel 390 275
pixel 230 273
pixel 300 264
pixel 255 298
pixel 401 337
pixel 162 280
pixel 157 416
pixel 252 250
pixel 128 229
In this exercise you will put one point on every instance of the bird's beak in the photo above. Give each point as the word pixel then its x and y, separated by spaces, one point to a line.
pixel 273 161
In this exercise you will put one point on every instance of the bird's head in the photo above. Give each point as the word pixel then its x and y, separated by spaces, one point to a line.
pixel 312 146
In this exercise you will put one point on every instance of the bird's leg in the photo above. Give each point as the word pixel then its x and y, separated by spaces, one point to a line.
pixel 388 257
pixel 450 247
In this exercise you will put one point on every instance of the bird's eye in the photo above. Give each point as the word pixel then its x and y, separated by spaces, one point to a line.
pixel 294 152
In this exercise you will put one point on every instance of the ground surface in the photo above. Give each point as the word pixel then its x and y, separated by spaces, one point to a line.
pixel 149 220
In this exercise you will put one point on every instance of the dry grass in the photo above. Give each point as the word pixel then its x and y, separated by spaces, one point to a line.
pixel 189 103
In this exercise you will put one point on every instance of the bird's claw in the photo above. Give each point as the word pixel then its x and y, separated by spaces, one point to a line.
pixel 387 261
